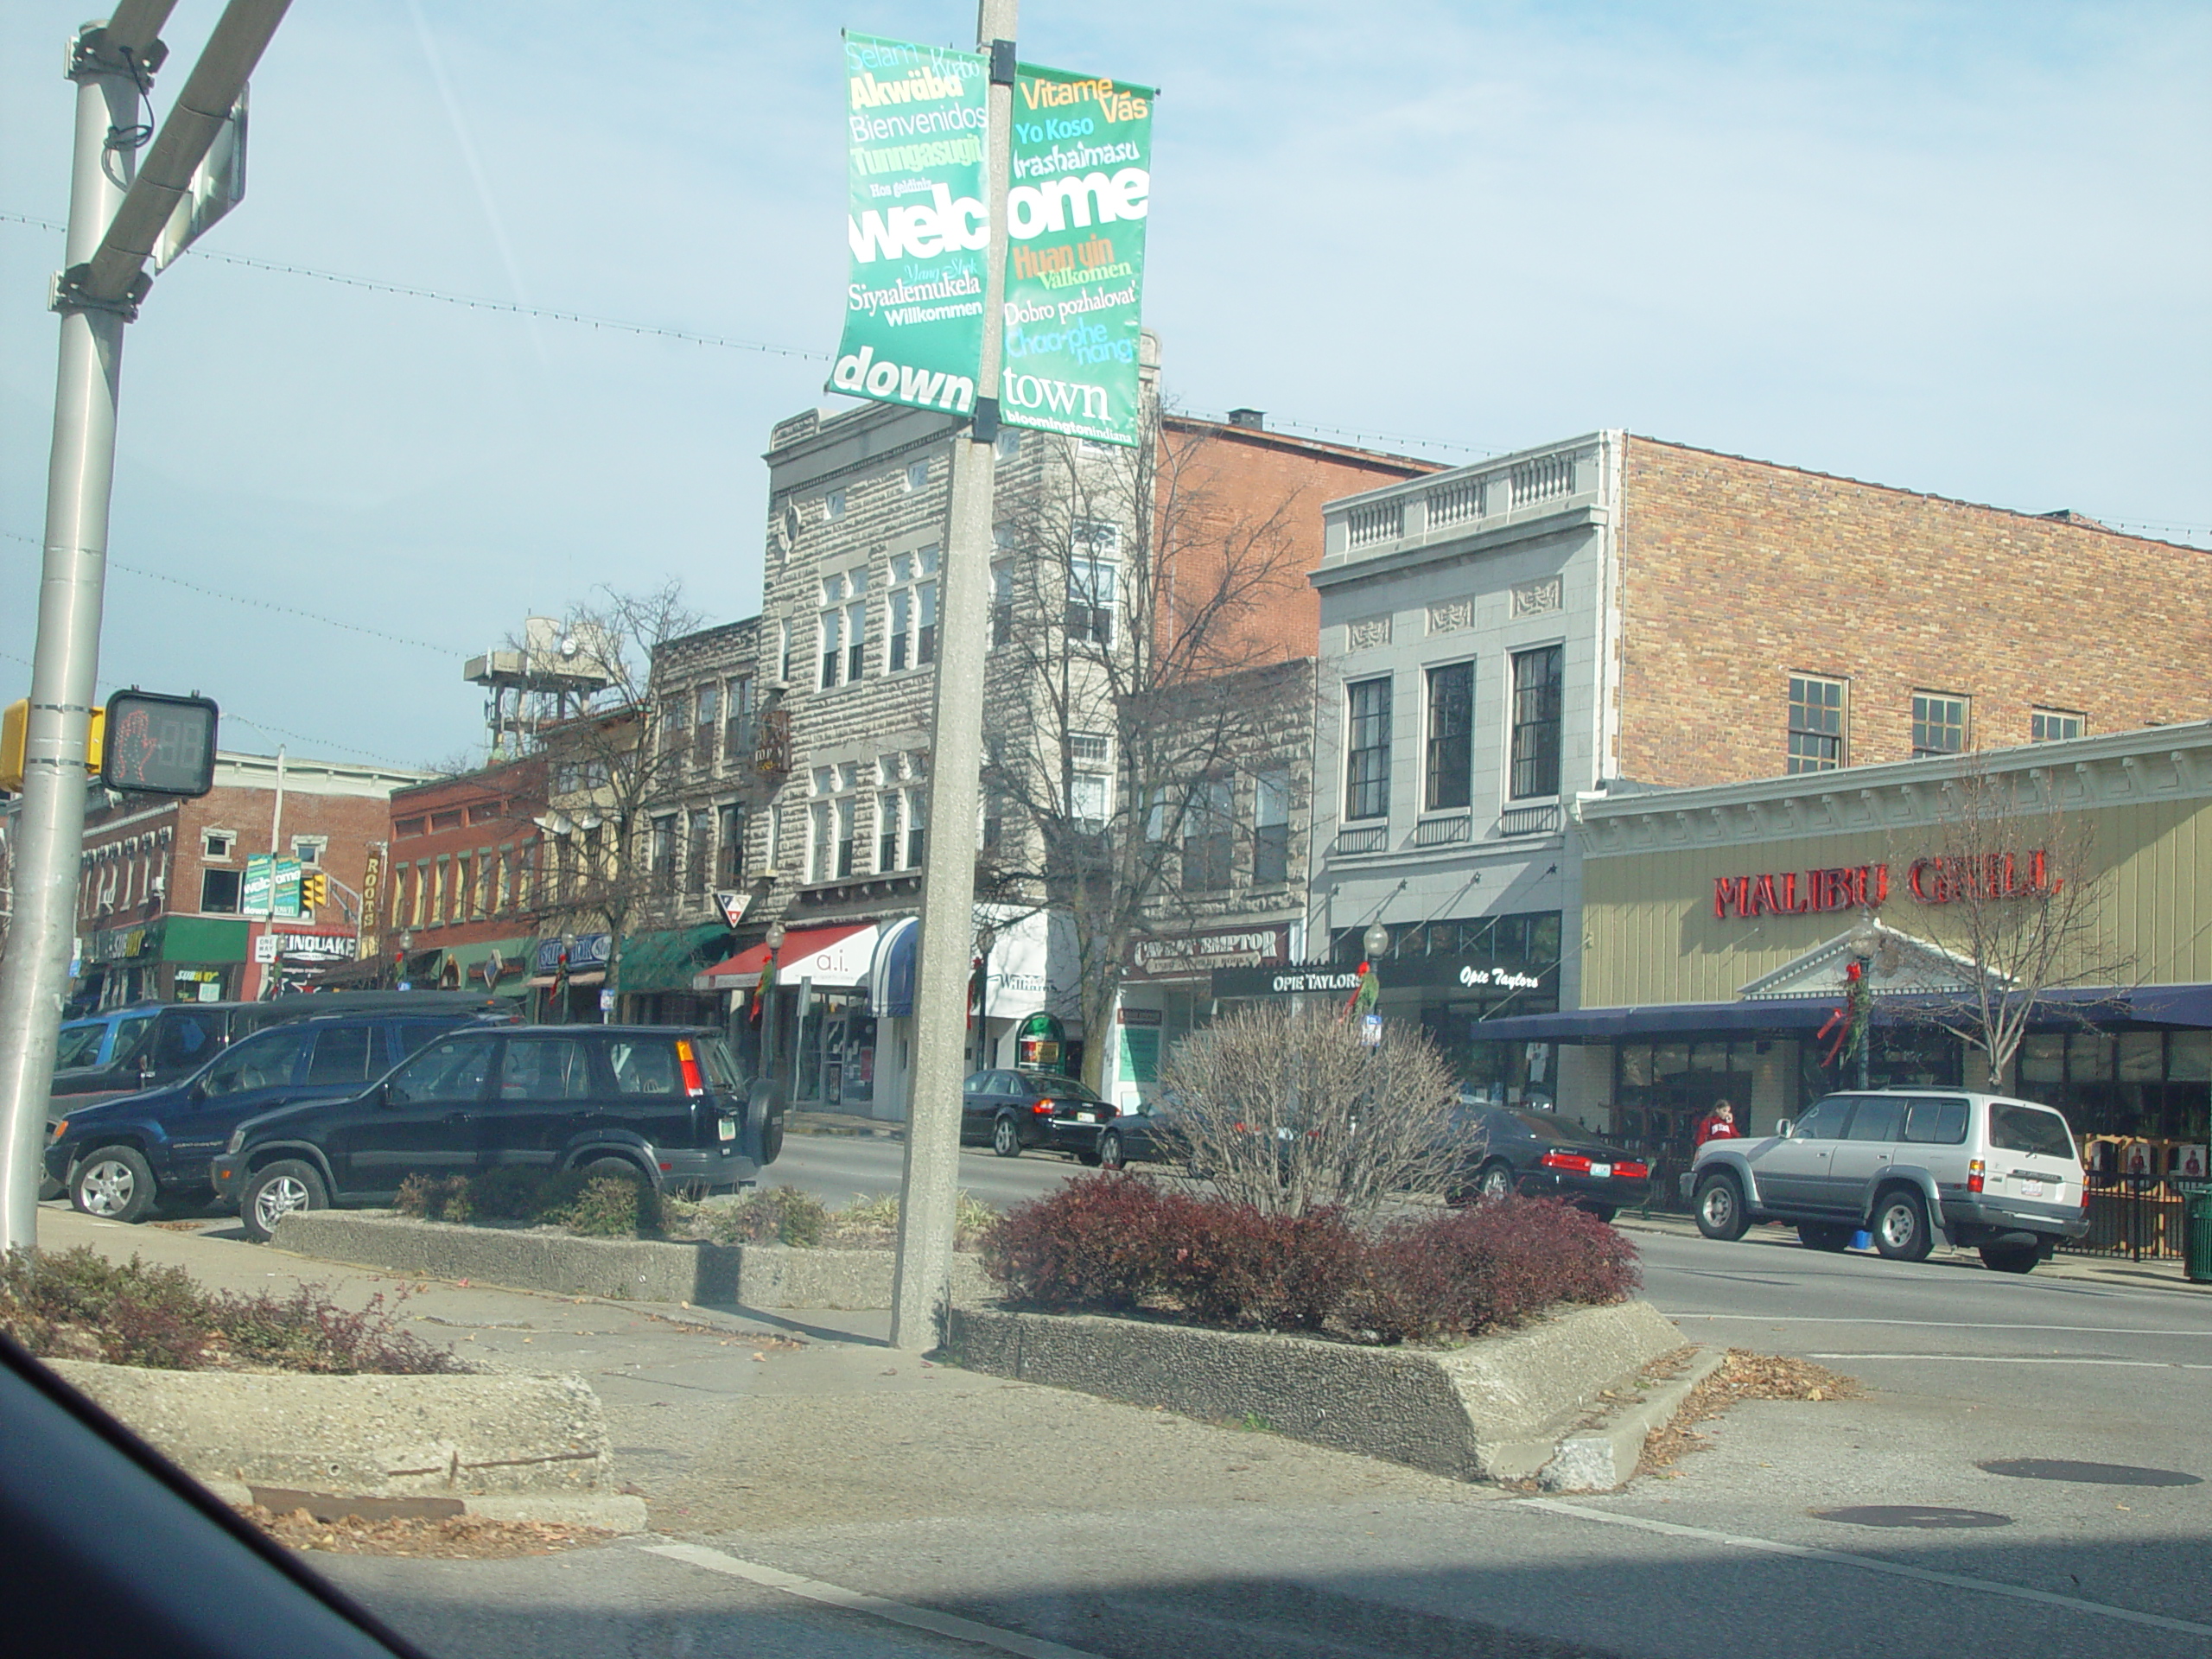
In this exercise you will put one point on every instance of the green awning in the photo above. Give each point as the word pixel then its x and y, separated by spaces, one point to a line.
pixel 203 938
pixel 665 961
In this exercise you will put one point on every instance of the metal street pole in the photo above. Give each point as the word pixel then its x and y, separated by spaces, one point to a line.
pixel 923 1279
pixel 119 205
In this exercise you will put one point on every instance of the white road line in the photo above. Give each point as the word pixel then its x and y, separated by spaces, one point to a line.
pixel 2030 1359
pixel 1839 1558
pixel 1943 1325
pixel 857 1601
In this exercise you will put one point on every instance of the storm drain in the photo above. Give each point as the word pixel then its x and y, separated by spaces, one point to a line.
pixel 2089 1474
pixel 1921 1515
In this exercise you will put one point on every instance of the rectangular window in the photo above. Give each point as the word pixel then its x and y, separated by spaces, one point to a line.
pixel 218 892
pixel 1092 571
pixel 1090 800
pixel 910 623
pixel 309 853
pixel 1208 837
pixel 856 636
pixel 1537 677
pixel 886 832
pixel 729 840
pixel 820 843
pixel 1816 725
pixel 1271 828
pixel 918 820
pixel 843 814
pixel 737 722
pixel 917 476
pixel 833 654
pixel 833 505
pixel 1089 748
pixel 663 853
pixel 1450 779
pixel 1367 760
pixel 1939 724
pixel 700 856
pixel 1002 603
pixel 993 815
pixel 2054 726
pixel 706 717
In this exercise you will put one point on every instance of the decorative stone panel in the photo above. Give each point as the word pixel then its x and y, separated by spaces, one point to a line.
pixel 1451 616
pixel 1536 598
pixel 1367 634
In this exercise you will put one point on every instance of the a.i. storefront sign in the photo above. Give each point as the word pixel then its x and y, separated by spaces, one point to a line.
pixel 918 230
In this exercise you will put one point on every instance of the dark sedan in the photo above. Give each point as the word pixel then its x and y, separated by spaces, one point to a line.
pixel 1012 1111
pixel 1539 1155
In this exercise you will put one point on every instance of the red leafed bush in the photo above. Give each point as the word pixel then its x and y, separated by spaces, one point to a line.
pixel 1116 1243
pixel 1473 1270
pixel 1237 1267
pixel 1100 1241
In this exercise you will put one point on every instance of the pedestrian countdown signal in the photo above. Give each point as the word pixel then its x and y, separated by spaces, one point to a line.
pixel 156 744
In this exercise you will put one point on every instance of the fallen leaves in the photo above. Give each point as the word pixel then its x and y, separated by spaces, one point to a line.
pixel 1742 1375
pixel 458 1537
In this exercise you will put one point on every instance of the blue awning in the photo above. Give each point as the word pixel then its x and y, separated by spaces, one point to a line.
pixel 2073 1007
pixel 891 969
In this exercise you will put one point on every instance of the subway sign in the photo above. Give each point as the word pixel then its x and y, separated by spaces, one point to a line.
pixel 1866 887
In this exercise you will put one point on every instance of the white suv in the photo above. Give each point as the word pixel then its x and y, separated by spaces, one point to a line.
pixel 1904 1164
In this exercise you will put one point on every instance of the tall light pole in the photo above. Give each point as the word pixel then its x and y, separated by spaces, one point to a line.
pixel 944 960
pixel 119 208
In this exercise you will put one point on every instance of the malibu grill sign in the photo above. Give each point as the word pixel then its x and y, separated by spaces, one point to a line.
pixel 1866 887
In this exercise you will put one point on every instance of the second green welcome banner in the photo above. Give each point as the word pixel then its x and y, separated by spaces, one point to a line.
pixel 1075 208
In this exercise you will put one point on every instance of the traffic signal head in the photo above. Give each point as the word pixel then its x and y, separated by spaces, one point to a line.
pixel 314 890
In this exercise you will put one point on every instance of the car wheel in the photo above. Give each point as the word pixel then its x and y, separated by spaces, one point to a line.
pixel 1110 1150
pixel 115 1184
pixel 1901 1226
pixel 621 1168
pixel 1005 1140
pixel 1720 1208
pixel 1823 1236
pixel 1604 1212
pixel 1088 1160
pixel 2010 1258
pixel 277 1191
pixel 1494 1181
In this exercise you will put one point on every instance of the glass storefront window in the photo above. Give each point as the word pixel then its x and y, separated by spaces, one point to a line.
pixel 1669 1060
pixel 2043 1059
pixel 1636 1065
pixel 2190 1056
pixel 2089 1057
pixel 2142 1057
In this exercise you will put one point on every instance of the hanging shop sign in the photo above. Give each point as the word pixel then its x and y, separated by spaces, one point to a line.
pixel 917 226
pixel 1075 212
pixel 1194 956
pixel 1866 887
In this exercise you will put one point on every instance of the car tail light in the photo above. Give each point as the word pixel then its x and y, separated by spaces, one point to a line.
pixel 1044 1108
pixel 1574 1162
pixel 1633 1172
pixel 1976 1170
pixel 694 1084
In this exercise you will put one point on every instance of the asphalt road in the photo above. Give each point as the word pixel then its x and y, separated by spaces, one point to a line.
pixel 835 1168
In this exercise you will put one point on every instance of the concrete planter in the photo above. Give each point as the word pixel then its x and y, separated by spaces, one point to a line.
pixel 516 1447
pixel 1497 1409
pixel 642 1270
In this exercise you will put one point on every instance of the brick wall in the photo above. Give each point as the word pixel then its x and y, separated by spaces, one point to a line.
pixel 1738 573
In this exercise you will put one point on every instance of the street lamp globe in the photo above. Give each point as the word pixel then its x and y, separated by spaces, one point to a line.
pixel 1375 941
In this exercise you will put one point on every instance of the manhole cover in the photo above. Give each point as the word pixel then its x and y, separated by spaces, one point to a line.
pixel 1912 1515
pixel 2089 1474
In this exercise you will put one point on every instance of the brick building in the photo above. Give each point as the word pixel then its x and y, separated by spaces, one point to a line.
pixel 1614 612
pixel 159 902
pixel 459 901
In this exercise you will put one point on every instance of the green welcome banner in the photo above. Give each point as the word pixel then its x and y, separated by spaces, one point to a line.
pixel 918 229
pixel 1075 208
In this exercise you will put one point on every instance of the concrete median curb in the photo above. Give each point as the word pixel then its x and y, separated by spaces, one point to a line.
pixel 513 1447
pixel 619 1269
pixel 1498 1408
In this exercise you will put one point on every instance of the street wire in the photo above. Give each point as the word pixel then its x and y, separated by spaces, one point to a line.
pixel 377 286
pixel 261 604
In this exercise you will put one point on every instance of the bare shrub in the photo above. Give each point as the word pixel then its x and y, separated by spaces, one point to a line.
pixel 1292 1113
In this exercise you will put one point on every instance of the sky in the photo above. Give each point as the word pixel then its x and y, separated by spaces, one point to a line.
pixel 1957 248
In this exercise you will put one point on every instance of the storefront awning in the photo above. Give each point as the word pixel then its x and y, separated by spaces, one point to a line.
pixel 827 956
pixel 891 969
pixel 666 960
pixel 2073 1007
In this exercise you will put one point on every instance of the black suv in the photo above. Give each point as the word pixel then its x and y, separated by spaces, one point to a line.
pixel 668 1106
pixel 118 1156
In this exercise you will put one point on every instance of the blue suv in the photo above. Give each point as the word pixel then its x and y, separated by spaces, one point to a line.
pixel 118 1156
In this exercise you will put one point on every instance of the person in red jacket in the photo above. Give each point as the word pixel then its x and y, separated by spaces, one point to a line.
pixel 1719 1124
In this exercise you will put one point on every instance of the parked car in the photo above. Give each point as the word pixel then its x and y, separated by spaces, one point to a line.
pixel 118 1157
pixel 156 1043
pixel 1008 1111
pixel 1999 1174
pixel 1147 1133
pixel 1520 1150
pixel 666 1105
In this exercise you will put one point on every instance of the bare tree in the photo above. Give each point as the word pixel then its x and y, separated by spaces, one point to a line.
pixel 2014 895
pixel 1292 1112
pixel 609 764
pixel 1133 678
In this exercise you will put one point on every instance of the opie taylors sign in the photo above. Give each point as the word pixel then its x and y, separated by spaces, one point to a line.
pixel 1866 887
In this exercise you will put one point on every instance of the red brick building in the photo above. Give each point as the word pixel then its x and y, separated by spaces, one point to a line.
pixel 459 898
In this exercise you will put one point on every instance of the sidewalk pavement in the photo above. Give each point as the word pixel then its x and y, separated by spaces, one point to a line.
pixel 730 1420
pixel 805 1122
pixel 2137 1275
